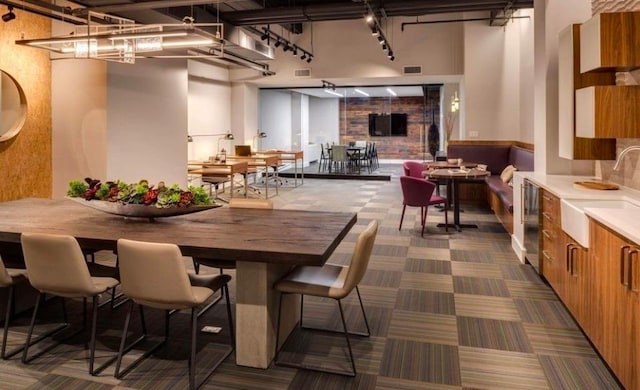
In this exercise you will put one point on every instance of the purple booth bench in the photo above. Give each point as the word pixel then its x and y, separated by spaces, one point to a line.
pixel 496 156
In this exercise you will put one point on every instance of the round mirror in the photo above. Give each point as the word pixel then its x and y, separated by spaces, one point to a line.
pixel 13 107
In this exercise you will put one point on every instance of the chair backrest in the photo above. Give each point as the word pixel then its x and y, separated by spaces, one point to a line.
pixel 243 150
pixel 56 265
pixel 154 274
pixel 360 257
pixel 360 143
pixel 250 203
pixel 339 153
pixel 413 169
pixel 5 279
pixel 416 192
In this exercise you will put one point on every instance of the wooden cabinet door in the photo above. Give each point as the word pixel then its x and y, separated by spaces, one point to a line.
pixel 618 343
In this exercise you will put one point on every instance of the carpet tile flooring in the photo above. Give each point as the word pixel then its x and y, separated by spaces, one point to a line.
pixel 450 310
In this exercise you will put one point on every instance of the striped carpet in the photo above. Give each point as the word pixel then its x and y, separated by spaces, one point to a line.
pixel 451 310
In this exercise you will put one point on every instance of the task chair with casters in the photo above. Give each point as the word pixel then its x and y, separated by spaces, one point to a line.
pixel 9 278
pixel 57 266
pixel 419 193
pixel 169 287
pixel 330 281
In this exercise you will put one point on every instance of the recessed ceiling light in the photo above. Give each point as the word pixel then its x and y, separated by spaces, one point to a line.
pixel 333 92
pixel 391 91
pixel 361 92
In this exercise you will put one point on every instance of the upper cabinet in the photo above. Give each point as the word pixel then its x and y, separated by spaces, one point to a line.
pixel 608 111
pixel 609 42
pixel 570 144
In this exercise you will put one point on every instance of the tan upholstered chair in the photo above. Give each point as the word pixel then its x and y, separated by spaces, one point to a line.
pixel 9 278
pixel 238 203
pixel 56 266
pixel 330 281
pixel 168 288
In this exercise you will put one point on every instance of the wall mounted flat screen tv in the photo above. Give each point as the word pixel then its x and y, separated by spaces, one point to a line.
pixel 388 125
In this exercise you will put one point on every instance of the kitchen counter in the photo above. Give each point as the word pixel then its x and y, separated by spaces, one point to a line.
pixel 622 221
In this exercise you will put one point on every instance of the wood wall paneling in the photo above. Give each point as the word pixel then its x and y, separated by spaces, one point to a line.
pixel 25 160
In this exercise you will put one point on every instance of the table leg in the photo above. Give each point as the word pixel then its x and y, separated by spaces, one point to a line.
pixel 257 312
pixel 302 170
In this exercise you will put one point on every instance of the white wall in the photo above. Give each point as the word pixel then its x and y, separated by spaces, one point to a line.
pixel 492 77
pixel 437 47
pixel 275 119
pixel 244 112
pixel 79 122
pixel 147 121
pixel 209 109
pixel 526 76
pixel 324 120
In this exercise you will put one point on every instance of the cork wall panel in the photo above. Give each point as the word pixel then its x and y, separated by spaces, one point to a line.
pixel 354 124
pixel 25 160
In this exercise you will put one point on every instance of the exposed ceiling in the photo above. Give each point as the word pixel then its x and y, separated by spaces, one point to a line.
pixel 248 14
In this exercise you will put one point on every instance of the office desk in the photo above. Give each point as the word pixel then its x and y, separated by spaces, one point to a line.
pixel 264 244
pixel 220 170
pixel 290 156
pixel 259 161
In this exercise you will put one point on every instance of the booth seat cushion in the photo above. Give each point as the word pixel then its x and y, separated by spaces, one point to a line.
pixel 521 158
pixel 502 190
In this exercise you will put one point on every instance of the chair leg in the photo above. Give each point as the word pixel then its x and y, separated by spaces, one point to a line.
pixel 123 350
pixel 5 333
pixel 346 336
pixel 404 206
pixel 423 218
pixel 28 343
pixel 192 355
pixel 92 342
pixel 345 331
pixel 230 317
pixel 363 313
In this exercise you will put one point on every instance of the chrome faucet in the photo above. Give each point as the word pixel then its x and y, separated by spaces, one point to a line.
pixel 622 154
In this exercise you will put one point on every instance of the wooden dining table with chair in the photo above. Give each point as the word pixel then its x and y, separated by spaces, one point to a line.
pixel 265 244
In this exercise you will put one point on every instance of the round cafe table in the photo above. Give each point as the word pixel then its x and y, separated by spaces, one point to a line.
pixel 454 177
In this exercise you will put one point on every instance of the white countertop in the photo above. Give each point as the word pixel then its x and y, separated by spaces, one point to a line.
pixel 622 221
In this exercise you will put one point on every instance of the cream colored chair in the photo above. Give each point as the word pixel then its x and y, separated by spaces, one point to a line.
pixel 330 281
pixel 237 203
pixel 168 288
pixel 9 278
pixel 56 266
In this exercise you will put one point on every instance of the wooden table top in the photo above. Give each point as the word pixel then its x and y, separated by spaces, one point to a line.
pixel 456 173
pixel 269 236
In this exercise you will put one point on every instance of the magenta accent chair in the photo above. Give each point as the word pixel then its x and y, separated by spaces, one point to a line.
pixel 419 193
pixel 413 169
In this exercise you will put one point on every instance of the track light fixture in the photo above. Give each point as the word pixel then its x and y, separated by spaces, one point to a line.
pixel 9 16
pixel 296 50
pixel 371 21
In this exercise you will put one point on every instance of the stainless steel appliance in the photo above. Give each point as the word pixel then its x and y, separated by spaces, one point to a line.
pixel 531 208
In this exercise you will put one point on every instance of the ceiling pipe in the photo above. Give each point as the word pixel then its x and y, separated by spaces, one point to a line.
pixel 332 11
pixel 460 20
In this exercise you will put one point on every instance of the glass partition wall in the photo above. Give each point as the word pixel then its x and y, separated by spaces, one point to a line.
pixel 405 121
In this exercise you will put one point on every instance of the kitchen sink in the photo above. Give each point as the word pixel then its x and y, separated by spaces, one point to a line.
pixel 575 222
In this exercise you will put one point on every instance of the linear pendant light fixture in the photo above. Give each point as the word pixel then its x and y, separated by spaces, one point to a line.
pixel 377 33
pixel 123 40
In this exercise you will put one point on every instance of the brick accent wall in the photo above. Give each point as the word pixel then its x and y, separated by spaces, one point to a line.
pixel 354 123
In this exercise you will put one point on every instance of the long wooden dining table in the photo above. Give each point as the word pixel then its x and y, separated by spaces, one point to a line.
pixel 265 244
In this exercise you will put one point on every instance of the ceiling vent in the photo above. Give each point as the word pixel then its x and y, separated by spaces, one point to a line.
pixel 412 70
pixel 304 72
